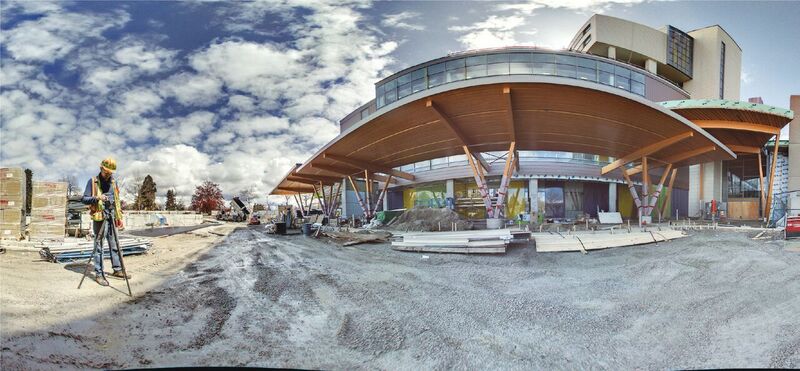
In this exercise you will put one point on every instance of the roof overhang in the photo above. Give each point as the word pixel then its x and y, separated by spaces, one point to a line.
pixel 742 126
pixel 548 113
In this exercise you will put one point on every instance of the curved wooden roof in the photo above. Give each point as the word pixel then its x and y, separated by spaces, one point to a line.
pixel 742 126
pixel 537 112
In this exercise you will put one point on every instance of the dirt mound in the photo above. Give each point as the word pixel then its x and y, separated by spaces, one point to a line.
pixel 428 220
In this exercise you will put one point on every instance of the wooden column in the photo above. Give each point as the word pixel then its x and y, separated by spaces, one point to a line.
pixel 654 199
pixel 383 192
pixel 508 170
pixel 772 180
pixel 761 189
pixel 298 198
pixel 645 186
pixel 358 195
pixel 632 189
pixel 669 191
pixel 479 180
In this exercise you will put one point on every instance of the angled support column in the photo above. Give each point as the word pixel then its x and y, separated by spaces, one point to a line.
pixel 772 179
pixel 634 194
pixel 654 199
pixel 479 180
pixel 645 151
pixel 462 138
pixel 368 166
pixel 645 186
pixel 298 199
pixel 368 196
pixel 337 194
pixel 508 170
pixel 358 195
pixel 383 193
pixel 761 189
pixel 669 192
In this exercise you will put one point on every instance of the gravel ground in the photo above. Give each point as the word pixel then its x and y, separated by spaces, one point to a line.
pixel 711 300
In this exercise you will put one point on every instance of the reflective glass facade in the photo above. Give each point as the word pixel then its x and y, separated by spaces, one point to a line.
pixel 680 50
pixel 492 157
pixel 569 65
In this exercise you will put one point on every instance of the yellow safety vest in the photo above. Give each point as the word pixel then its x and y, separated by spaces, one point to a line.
pixel 96 210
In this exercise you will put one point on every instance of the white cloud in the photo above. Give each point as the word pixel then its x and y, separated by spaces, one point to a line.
pixel 192 89
pixel 56 34
pixel 595 6
pixel 398 21
pixel 139 101
pixel 102 79
pixel 144 57
pixel 495 31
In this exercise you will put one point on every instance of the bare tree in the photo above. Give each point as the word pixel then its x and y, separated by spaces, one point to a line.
pixel 73 188
pixel 129 188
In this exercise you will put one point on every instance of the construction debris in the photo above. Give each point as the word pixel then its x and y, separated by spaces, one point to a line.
pixel 464 242
pixel 69 251
pixel 423 219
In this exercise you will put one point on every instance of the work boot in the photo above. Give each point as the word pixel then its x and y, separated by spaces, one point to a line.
pixel 100 280
pixel 119 274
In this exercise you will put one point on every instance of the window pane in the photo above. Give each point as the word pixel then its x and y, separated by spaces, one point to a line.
pixel 565 70
pixel 418 85
pixel 476 71
pixel 457 159
pixel 608 67
pixel 390 85
pixel 622 71
pixel 390 96
pixel 623 83
pixel 496 58
pixel 404 79
pixel 458 63
pixel 380 102
pixel 587 63
pixel 407 168
pixel 606 78
pixel 565 59
pixel 379 90
pixel 476 60
pixel 544 58
pixel 497 69
pixel 637 88
pixel 520 57
pixel 544 68
pixel 587 74
pixel 455 75
pixel 436 68
pixel 422 165
pixel 418 74
pixel 404 90
pixel 435 79
pixel 439 163
pixel 521 68
pixel 638 77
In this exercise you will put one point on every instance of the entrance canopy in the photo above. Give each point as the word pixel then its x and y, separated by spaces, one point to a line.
pixel 535 112
pixel 742 126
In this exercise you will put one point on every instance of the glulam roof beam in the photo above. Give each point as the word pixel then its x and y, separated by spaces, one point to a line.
pixel 645 151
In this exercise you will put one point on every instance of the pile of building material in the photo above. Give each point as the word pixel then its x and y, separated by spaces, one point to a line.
pixel 12 203
pixel 583 241
pixel 79 222
pixel 48 211
pixel 69 251
pixel 492 241
pixel 354 238
pixel 425 219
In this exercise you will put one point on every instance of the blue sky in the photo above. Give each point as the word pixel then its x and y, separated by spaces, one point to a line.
pixel 236 92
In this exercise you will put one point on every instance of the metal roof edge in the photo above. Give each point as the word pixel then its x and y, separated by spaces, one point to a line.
pixel 727 104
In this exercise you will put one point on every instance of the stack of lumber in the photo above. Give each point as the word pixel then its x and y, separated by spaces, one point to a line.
pixel 462 242
pixel 68 251
pixel 552 242
pixel 48 211
pixel 350 238
pixel 12 203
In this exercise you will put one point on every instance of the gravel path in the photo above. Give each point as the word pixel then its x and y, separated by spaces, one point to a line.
pixel 706 301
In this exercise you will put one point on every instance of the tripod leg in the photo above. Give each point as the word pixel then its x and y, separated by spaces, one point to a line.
pixel 94 252
pixel 121 261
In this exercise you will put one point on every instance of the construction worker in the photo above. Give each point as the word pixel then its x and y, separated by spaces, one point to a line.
pixel 102 196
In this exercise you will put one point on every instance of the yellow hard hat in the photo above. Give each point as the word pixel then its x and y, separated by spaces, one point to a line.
pixel 109 164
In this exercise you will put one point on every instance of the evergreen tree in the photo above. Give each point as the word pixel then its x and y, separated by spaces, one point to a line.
pixel 171 204
pixel 28 190
pixel 146 198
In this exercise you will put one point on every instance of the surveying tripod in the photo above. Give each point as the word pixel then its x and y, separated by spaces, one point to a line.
pixel 108 222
